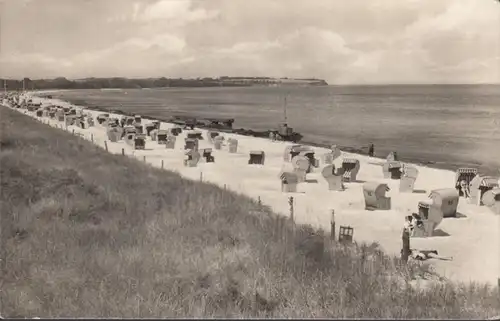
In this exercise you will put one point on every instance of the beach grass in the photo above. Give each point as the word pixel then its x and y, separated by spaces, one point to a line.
pixel 89 234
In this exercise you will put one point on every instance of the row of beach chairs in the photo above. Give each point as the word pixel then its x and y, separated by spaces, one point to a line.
pixel 441 203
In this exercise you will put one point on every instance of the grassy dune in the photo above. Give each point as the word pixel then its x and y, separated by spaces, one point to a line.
pixel 87 233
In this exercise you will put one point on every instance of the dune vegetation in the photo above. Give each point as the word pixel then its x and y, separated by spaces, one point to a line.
pixel 87 233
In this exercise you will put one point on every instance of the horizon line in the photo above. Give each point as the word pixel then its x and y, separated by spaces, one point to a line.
pixel 301 78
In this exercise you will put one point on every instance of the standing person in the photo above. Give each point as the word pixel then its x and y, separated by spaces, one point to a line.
pixel 371 150
pixel 272 136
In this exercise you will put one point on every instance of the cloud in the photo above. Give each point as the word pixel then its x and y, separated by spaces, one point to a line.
pixel 355 41
pixel 174 12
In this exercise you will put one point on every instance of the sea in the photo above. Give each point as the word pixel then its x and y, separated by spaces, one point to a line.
pixel 443 126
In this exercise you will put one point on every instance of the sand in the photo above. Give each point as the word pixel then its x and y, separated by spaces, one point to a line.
pixel 471 238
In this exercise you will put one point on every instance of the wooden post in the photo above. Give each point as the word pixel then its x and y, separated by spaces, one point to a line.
pixel 332 225
pixel 224 186
pixel 290 202
pixel 201 176
pixel 162 164
pixel 258 198
pixel 123 151
pixel 106 145
pixel 73 132
pixel 144 158
pixel 405 253
pixel 92 137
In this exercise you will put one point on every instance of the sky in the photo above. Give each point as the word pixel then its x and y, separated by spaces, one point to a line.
pixel 341 41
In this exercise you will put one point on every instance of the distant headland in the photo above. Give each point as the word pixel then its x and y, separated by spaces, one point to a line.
pixel 118 82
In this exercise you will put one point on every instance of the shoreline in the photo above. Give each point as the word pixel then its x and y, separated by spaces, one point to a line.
pixel 451 165
pixel 258 240
pixel 313 201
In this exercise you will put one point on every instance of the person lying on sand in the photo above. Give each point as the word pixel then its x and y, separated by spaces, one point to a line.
pixel 422 255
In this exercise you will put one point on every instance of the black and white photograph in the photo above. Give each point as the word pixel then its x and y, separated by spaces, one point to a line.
pixel 243 159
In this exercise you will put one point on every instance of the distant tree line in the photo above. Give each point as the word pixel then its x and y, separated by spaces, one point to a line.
pixel 99 83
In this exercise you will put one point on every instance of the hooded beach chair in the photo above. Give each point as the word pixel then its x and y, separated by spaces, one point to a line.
pixel 192 158
pixel 129 121
pixel 491 199
pixel 190 143
pixel 90 121
pixel 288 182
pixel 211 135
pixel 430 212
pixel 69 120
pixel 301 164
pixel 287 154
pixel 161 136
pixel 128 134
pixel 207 154
pixel 463 177
pixel 140 141
pixel 392 157
pixel 138 127
pixel 314 162
pixel 170 143
pixel 392 169
pixel 375 198
pixel 257 157
pixel 332 155
pixel 424 226
pixel 408 178
pixel 154 134
pixel 218 140
pixel 479 185
pixel 351 168
pixel 102 118
pixel 233 145
pixel 195 135
pixel 113 134
pixel 445 200
pixel 150 127
pixel 176 130
pixel 82 123
pixel 333 177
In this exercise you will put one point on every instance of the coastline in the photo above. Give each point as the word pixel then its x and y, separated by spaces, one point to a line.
pixel 467 238
pixel 153 256
pixel 450 164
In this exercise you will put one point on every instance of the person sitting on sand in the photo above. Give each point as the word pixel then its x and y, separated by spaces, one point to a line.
pixel 272 136
pixel 465 188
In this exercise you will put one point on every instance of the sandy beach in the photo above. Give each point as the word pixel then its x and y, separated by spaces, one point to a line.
pixel 472 238
pixel 444 127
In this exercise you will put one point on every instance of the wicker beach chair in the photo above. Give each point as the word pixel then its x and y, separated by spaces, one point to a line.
pixel 257 157
pixel 375 198
pixel 392 169
pixel 288 182
pixel 333 177
pixel 463 177
pixel 351 168
pixel 479 185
